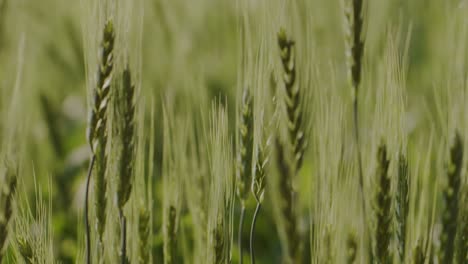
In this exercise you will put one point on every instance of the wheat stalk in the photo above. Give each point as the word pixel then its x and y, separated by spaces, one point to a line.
pixel 286 204
pixel 451 205
pixel 258 191
pixel 297 141
pixel 7 192
pixel 97 134
pixel 383 201
pixel 402 205
pixel 126 163
pixel 354 41
pixel 244 159
pixel 170 237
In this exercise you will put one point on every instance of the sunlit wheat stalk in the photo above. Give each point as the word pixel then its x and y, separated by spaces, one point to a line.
pixel 7 192
pixel 97 134
pixel 451 205
pixel 258 190
pixel 383 214
pixel 244 159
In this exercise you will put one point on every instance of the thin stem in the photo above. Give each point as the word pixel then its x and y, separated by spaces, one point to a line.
pixel 252 229
pixel 123 246
pixel 239 236
pixel 88 236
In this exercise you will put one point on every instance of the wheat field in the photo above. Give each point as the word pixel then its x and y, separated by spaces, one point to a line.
pixel 244 131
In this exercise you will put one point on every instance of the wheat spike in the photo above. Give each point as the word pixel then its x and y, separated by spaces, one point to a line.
pixel 96 135
pixel 99 140
pixel 383 208
pixel 294 109
pixel 127 104
pixel 402 205
pixel 258 183
pixel 245 151
pixel 244 159
pixel 450 198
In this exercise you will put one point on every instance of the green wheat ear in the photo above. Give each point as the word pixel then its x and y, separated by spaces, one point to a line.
pixel 402 205
pixel 245 151
pixel 96 135
pixel 244 159
pixel 450 198
pixel 294 109
pixel 98 115
pixel 7 192
pixel 127 104
pixel 258 183
pixel 99 140
pixel 383 202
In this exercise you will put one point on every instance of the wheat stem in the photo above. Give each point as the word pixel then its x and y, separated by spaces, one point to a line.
pixel 252 233
pixel 244 159
pixel 86 214
pixel 239 236
pixel 123 246
pixel 97 127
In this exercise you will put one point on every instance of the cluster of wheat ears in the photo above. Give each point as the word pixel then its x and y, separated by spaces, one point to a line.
pixel 369 196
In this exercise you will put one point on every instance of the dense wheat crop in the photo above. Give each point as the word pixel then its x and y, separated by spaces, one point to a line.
pixel 234 131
